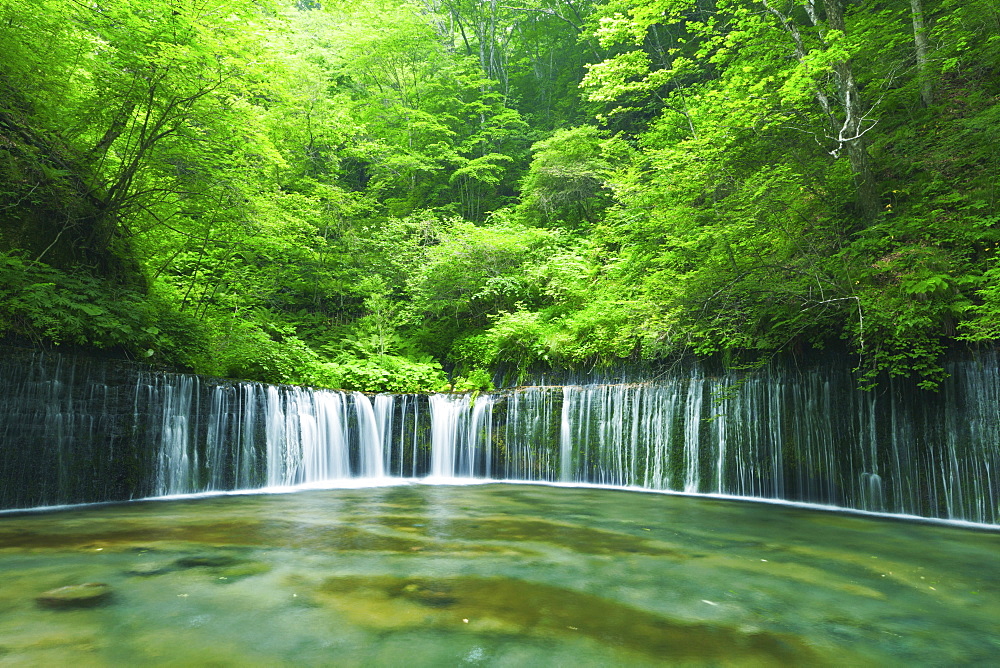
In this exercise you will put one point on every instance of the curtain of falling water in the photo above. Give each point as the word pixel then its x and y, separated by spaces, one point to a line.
pixel 88 430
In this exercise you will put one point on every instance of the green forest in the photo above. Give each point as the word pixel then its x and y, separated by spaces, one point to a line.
pixel 406 196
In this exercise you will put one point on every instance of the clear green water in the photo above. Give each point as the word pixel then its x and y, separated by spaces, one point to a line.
pixel 494 575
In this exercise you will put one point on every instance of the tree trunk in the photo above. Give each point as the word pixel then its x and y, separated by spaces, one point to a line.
pixel 922 47
pixel 851 132
pixel 846 122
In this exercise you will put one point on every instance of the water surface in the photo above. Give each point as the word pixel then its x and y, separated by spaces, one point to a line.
pixel 494 575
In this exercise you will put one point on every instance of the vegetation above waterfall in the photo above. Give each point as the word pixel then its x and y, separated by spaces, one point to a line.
pixel 358 195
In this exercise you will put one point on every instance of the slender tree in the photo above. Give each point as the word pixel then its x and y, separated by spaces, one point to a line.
pixel 849 119
pixel 922 49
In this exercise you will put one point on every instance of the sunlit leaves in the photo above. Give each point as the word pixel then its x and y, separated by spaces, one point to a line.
pixel 566 181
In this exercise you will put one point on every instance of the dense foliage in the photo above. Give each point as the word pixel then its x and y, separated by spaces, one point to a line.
pixel 363 195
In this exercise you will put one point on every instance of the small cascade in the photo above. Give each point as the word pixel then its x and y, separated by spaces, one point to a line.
pixel 217 441
pixel 279 452
pixel 382 409
pixel 371 460
pixel 244 449
pixel 404 423
pixel 446 416
pixel 478 455
pixel 73 431
pixel 565 438
pixel 325 450
pixel 177 460
pixel 692 434
pixel 527 435
pixel 872 496
pixel 461 436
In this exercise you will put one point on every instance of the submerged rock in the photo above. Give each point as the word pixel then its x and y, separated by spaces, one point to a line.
pixel 240 570
pixel 149 569
pixel 209 560
pixel 85 595
pixel 226 568
pixel 431 595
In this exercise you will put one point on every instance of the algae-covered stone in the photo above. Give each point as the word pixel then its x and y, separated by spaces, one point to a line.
pixel 212 560
pixel 432 595
pixel 85 595
pixel 226 568
pixel 240 570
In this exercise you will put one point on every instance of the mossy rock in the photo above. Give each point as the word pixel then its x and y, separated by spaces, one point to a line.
pixel 427 594
pixel 238 571
pixel 87 595
pixel 225 567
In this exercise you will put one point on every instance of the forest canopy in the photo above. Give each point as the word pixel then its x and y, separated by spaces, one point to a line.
pixel 414 195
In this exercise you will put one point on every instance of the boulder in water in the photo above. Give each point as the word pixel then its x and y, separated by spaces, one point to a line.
pixel 85 595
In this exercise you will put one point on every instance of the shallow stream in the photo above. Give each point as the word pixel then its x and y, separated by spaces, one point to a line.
pixel 494 575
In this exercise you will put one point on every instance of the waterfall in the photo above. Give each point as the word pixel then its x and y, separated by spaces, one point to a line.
pixel 446 412
pixel 461 436
pixel 179 415
pixel 382 410
pixel 89 430
pixel 565 438
pixel 401 420
pixel 369 447
pixel 692 433
pixel 325 455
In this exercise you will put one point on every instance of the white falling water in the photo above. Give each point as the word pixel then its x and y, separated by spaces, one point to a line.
pixel 400 419
pixel 565 438
pixel 242 436
pixel 326 456
pixel 446 416
pixel 217 444
pixel 176 461
pixel 275 437
pixel 529 433
pixel 478 446
pixel 307 436
pixel 659 416
pixel 692 434
pixel 382 409
pixel 718 421
pixel 370 455
pixel 461 435
pixel 73 435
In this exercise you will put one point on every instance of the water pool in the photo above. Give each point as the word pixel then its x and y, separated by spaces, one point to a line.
pixel 494 575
